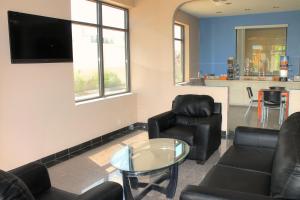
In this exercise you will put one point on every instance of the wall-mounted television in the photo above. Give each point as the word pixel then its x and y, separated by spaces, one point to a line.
pixel 38 39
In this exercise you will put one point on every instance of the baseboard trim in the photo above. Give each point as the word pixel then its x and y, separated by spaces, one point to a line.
pixel 74 151
pixel 79 149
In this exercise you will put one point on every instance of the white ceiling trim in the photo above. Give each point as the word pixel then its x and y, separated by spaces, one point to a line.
pixel 263 26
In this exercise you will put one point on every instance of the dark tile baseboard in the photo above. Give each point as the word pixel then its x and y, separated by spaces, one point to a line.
pixel 71 152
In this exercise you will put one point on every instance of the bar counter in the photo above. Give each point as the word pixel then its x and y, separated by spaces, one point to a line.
pixel 237 88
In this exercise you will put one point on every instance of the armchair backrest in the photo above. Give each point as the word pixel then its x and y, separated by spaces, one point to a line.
pixel 193 105
pixel 285 180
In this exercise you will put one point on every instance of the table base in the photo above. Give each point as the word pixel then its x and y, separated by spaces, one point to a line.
pixel 130 180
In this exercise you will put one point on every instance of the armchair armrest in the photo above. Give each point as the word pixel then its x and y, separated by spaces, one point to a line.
pixel 35 176
pixel 208 128
pixel 218 108
pixel 256 137
pixel 160 123
pixel 106 191
pixel 192 192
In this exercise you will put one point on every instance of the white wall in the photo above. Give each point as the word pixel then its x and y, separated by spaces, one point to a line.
pixel 294 101
pixel 152 60
pixel 192 37
pixel 38 115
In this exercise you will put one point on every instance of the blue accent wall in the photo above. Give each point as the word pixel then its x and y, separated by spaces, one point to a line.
pixel 218 37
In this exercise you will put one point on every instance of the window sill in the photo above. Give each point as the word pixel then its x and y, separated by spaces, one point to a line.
pixel 103 98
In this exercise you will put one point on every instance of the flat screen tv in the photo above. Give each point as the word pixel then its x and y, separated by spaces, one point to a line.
pixel 38 39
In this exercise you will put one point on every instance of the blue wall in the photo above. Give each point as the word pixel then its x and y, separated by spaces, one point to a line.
pixel 218 37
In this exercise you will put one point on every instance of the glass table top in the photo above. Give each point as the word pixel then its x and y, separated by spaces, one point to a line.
pixel 150 155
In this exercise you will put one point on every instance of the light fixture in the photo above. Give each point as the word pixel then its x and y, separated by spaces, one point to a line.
pixel 218 2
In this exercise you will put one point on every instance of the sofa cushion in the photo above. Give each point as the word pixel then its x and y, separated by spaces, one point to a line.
pixel 193 105
pixel 286 165
pixel 11 187
pixel 241 180
pixel 180 132
pixel 256 159
pixel 57 194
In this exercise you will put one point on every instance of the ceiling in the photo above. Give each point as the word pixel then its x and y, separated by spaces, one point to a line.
pixel 213 8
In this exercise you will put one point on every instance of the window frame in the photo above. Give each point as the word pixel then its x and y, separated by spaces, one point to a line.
pixel 182 41
pixel 237 28
pixel 99 25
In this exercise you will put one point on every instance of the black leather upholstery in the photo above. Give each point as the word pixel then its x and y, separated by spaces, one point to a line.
pixel 193 105
pixel 238 179
pixel 195 119
pixel 251 158
pixel 261 164
pixel 11 187
pixel 36 177
pixel 256 137
pixel 286 167
pixel 54 193
pixel 176 133
pixel 201 192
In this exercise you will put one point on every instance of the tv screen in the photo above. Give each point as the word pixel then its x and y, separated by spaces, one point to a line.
pixel 37 39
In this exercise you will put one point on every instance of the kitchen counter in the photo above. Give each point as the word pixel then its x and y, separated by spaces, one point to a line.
pixel 237 88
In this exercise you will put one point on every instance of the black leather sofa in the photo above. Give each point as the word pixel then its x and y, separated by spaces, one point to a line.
pixel 32 181
pixel 195 119
pixel 262 164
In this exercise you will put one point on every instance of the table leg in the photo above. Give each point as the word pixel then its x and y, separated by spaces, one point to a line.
pixel 171 188
pixel 126 187
pixel 259 106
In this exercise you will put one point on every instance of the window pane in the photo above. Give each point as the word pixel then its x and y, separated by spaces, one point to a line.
pixel 85 61
pixel 114 58
pixel 177 31
pixel 84 11
pixel 178 61
pixel 263 48
pixel 113 17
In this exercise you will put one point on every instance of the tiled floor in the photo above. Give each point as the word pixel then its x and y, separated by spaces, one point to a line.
pixel 93 167
pixel 236 118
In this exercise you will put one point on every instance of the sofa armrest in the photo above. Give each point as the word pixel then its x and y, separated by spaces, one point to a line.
pixel 160 123
pixel 106 191
pixel 35 176
pixel 192 192
pixel 256 137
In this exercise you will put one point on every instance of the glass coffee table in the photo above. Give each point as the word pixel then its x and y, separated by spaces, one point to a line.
pixel 155 156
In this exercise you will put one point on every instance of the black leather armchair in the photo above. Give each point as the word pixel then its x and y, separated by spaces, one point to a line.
pixel 36 178
pixel 195 119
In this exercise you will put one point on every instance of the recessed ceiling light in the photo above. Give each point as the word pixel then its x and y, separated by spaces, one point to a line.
pixel 275 7
pixel 247 9
pixel 228 3
pixel 219 12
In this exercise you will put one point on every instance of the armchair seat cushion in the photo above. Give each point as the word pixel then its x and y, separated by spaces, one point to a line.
pixel 57 194
pixel 251 158
pixel 180 132
pixel 236 179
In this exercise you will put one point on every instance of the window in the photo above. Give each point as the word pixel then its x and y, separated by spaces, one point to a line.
pixel 259 49
pixel 179 53
pixel 100 49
